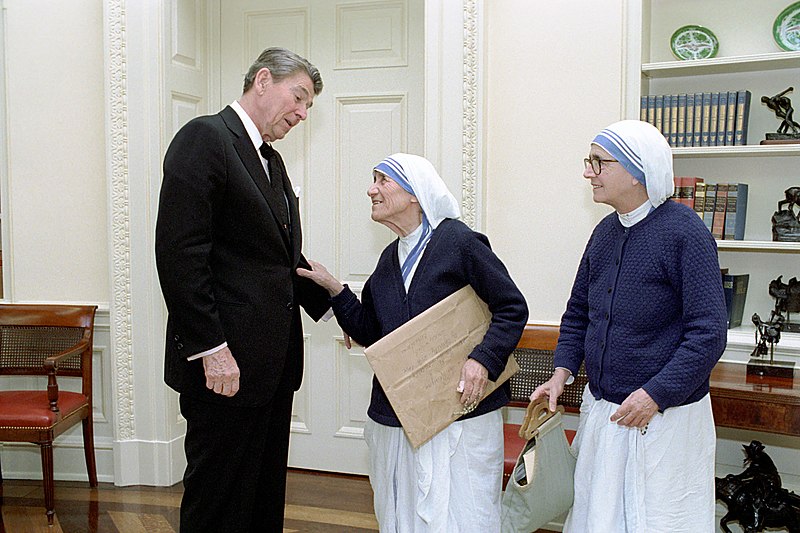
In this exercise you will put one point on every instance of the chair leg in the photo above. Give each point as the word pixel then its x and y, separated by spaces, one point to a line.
pixel 47 478
pixel 88 450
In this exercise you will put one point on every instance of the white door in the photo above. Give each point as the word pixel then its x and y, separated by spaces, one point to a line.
pixel 370 55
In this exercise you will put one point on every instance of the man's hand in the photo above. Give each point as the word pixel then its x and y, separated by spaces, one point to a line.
pixel 222 372
pixel 636 411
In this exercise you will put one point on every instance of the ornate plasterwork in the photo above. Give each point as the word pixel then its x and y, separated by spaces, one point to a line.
pixel 469 161
pixel 117 164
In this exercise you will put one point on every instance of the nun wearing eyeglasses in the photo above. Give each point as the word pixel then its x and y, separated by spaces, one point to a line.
pixel 647 317
pixel 452 482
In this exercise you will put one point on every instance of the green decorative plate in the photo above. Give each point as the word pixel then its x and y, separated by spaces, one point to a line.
pixel 786 29
pixel 693 42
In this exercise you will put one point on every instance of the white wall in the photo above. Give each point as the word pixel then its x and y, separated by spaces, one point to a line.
pixel 553 72
pixel 56 142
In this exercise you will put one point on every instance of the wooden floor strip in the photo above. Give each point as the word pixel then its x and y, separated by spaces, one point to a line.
pixel 316 502
pixel 331 516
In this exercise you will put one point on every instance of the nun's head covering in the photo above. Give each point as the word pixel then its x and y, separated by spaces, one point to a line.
pixel 644 153
pixel 417 176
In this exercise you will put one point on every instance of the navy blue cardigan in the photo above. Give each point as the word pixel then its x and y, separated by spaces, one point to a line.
pixel 455 257
pixel 647 309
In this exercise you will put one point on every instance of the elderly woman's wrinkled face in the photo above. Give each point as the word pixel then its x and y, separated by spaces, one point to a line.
pixel 391 204
pixel 614 185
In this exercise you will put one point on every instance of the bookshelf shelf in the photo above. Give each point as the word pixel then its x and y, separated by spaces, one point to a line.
pixel 758 246
pixel 750 150
pixel 733 64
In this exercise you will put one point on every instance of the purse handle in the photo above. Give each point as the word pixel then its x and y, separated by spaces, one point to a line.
pixel 535 415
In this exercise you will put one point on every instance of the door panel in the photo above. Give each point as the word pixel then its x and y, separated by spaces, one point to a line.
pixel 370 56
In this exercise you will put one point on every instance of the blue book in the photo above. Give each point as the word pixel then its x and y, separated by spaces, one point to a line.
pixel 698 119
pixel 651 109
pixel 680 134
pixel 722 113
pixel 712 123
pixel 730 118
pixel 742 117
pixel 666 120
pixel 736 211
pixel 688 126
pixel 674 112
pixel 710 204
pixel 659 116
pixel 705 136
pixel 734 287
pixel 643 108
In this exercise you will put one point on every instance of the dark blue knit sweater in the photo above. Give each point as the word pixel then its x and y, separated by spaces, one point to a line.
pixel 455 257
pixel 647 309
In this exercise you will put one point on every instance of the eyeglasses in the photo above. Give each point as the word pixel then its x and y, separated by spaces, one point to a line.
pixel 596 163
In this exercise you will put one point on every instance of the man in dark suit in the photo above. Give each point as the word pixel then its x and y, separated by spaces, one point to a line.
pixel 228 243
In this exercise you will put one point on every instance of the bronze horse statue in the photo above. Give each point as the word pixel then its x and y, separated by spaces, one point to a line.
pixel 792 199
pixel 755 497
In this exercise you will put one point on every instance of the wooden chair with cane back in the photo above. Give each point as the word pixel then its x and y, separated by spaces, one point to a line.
pixel 49 341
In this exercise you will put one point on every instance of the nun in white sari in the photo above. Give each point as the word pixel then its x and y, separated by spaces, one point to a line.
pixel 452 483
pixel 646 315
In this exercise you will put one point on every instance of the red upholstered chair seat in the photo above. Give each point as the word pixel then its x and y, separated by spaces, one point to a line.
pixel 22 408
pixel 513 446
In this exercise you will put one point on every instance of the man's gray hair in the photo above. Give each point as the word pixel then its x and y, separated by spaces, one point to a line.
pixel 282 63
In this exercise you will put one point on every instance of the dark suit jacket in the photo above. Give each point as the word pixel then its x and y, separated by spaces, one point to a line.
pixel 226 267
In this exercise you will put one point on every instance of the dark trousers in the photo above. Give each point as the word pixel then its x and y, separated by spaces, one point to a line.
pixel 235 478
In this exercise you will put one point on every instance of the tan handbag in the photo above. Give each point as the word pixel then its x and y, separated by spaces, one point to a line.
pixel 541 485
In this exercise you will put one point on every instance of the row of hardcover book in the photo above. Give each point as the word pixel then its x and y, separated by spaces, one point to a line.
pixel 722 206
pixel 735 288
pixel 699 119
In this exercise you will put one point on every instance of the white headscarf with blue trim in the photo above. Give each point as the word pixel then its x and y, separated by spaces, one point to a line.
pixel 417 176
pixel 644 153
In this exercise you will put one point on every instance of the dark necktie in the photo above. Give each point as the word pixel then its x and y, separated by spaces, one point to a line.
pixel 276 192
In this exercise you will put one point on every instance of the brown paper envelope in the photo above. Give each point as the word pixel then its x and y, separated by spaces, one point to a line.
pixel 419 364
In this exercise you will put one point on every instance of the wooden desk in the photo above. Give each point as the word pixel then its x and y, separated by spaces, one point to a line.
pixel 749 402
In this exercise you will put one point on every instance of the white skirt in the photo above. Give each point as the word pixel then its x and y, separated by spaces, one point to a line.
pixel 629 482
pixel 450 484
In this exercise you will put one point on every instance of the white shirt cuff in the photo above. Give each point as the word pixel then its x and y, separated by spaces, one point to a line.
pixel 570 379
pixel 207 352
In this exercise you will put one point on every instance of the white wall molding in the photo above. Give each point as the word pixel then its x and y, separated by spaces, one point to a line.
pixel 119 214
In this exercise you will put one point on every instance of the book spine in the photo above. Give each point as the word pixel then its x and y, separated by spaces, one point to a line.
pixel 698 119
pixel 741 211
pixel 722 115
pixel 730 212
pixel 673 120
pixel 706 135
pixel 699 198
pixel 689 122
pixel 735 289
pixel 651 109
pixel 666 120
pixel 718 222
pixel 730 121
pixel 677 189
pixel 708 208
pixel 659 116
pixel 643 108
pixel 742 117
pixel 689 187
pixel 714 120
pixel 680 135
pixel 727 289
